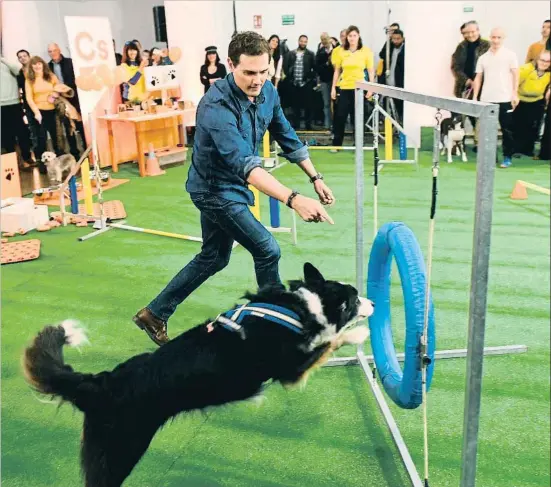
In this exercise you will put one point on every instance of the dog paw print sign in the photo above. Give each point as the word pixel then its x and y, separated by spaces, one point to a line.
pixel 11 185
pixel 161 78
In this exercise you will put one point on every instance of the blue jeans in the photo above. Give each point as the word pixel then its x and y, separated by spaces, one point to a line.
pixel 326 97
pixel 222 222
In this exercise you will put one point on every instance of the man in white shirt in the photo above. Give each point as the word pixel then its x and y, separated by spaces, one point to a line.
pixel 499 69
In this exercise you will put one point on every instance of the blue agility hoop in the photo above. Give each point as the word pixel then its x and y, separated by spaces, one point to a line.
pixel 403 387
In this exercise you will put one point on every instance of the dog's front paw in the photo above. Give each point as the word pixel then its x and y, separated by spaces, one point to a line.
pixel 356 336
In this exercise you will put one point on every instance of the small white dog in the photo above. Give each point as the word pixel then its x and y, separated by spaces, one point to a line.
pixel 452 135
pixel 58 167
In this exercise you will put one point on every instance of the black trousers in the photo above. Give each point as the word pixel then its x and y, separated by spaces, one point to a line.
pixel 506 124
pixel 344 107
pixel 545 151
pixel 527 119
pixel 47 126
pixel 14 131
pixel 302 98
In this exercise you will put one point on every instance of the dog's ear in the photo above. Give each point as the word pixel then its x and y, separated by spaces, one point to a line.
pixel 312 275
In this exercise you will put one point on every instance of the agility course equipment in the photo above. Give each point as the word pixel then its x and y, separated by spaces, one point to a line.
pixel 102 224
pixel 397 240
pixel 21 251
pixel 274 205
pixel 373 124
pixel 519 191
pixel 422 354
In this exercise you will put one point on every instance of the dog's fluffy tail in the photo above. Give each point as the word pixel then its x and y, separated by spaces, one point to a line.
pixel 115 434
pixel 46 371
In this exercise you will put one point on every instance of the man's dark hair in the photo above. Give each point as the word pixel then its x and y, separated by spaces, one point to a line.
pixel 249 43
pixel 301 36
pixel 462 27
pixel 398 31
pixel 395 24
pixel 547 21
pixel 23 50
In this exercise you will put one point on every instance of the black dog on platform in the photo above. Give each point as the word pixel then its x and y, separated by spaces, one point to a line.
pixel 279 335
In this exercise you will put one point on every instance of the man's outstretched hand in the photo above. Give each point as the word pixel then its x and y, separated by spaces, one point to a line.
pixel 325 194
pixel 310 210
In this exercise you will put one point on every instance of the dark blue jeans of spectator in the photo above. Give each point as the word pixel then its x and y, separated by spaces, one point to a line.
pixel 222 223
pixel 325 89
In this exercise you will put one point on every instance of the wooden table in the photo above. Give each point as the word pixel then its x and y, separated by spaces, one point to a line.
pixel 159 129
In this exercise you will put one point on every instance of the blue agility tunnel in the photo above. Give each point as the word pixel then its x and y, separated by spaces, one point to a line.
pixel 396 240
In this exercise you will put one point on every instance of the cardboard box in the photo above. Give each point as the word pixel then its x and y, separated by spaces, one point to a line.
pixel 22 213
pixel 11 185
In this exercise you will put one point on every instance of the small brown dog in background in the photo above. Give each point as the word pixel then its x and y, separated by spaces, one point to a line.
pixel 58 167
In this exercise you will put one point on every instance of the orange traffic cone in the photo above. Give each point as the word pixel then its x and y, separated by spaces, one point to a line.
pixel 519 192
pixel 36 179
pixel 152 167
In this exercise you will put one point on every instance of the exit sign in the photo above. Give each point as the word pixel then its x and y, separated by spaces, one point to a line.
pixel 288 19
pixel 468 8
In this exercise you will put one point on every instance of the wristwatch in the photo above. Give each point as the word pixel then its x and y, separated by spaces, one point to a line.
pixel 316 177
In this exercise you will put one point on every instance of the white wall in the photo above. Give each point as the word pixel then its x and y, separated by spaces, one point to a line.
pixel 431 30
pixel 432 34
pixel 192 26
pixel 137 23
pixel 32 25
pixel 310 19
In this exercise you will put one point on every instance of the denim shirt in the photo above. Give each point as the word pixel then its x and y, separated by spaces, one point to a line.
pixel 228 134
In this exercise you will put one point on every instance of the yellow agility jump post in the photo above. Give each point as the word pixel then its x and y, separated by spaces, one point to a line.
pixel 155 232
pixel 388 139
pixel 87 186
pixel 275 226
pixel 255 209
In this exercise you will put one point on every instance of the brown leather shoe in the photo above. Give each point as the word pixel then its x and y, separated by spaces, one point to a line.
pixel 153 326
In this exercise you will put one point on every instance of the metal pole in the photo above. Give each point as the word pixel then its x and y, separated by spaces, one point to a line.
pixel 438 355
pixel 387 55
pixel 359 142
pixel 376 167
pixel 479 291
pixel 390 421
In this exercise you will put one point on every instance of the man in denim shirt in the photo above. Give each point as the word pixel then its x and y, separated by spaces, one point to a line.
pixel 231 121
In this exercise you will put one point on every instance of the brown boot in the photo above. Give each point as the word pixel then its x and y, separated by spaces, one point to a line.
pixel 153 326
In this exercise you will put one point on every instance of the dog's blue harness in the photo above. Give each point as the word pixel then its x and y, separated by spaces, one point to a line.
pixel 232 319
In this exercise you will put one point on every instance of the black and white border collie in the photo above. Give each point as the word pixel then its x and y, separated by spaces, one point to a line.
pixel 279 335
pixel 452 136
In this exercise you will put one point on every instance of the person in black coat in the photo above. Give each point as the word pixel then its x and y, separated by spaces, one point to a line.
pixel 212 69
pixel 325 70
pixel 301 81
pixel 62 67
pixel 397 71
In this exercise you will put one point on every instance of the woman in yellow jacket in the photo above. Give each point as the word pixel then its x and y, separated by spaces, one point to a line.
pixel 39 88
pixel 350 63
pixel 533 93
pixel 132 61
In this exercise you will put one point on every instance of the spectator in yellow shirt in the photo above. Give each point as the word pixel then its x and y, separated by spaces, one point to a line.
pixel 350 66
pixel 134 88
pixel 533 93
pixel 539 46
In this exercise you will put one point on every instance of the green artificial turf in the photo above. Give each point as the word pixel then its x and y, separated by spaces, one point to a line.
pixel 331 433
